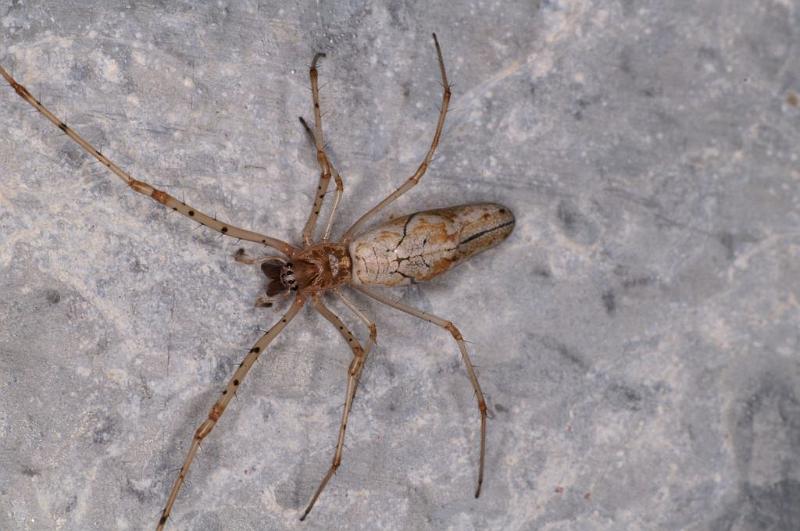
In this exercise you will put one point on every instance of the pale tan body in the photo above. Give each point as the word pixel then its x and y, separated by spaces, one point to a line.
pixel 422 245
pixel 412 248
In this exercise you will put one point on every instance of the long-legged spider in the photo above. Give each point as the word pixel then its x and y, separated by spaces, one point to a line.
pixel 407 249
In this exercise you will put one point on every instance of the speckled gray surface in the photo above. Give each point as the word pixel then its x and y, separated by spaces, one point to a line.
pixel 637 335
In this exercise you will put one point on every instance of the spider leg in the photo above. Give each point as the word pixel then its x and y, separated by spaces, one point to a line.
pixel 353 375
pixel 450 327
pixel 339 186
pixel 242 257
pixel 219 407
pixel 339 191
pixel 146 189
pixel 373 330
pixel 423 167
pixel 322 158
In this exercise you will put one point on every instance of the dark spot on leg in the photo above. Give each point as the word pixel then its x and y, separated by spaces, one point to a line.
pixel 224 230
pixel 236 382
pixel 191 212
pixel 63 126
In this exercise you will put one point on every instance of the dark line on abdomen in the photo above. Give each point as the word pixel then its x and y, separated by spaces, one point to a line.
pixel 405 228
pixel 487 231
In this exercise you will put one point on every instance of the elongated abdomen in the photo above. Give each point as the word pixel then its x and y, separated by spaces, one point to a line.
pixel 422 245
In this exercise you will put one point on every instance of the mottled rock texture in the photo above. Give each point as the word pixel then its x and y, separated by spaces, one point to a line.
pixel 637 335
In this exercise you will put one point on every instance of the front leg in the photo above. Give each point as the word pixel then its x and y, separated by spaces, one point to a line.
pixel 147 189
pixel 339 187
pixel 322 158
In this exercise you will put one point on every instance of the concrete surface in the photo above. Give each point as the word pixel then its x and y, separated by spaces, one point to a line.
pixel 637 335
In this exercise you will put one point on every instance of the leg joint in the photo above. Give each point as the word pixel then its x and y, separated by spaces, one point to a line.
pixel 215 413
pixel 141 187
pixel 453 330
pixel 161 197
pixel 204 429
pixel 356 364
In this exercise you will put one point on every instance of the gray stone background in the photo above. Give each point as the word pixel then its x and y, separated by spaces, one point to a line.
pixel 637 336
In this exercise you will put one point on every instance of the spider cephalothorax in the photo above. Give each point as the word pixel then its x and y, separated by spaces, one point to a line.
pixel 313 269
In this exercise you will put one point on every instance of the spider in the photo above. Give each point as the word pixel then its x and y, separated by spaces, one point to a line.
pixel 406 249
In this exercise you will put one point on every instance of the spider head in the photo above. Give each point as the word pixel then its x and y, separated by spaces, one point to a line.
pixel 285 276
pixel 281 276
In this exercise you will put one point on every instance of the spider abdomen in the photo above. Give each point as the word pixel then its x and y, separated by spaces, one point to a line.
pixel 422 245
